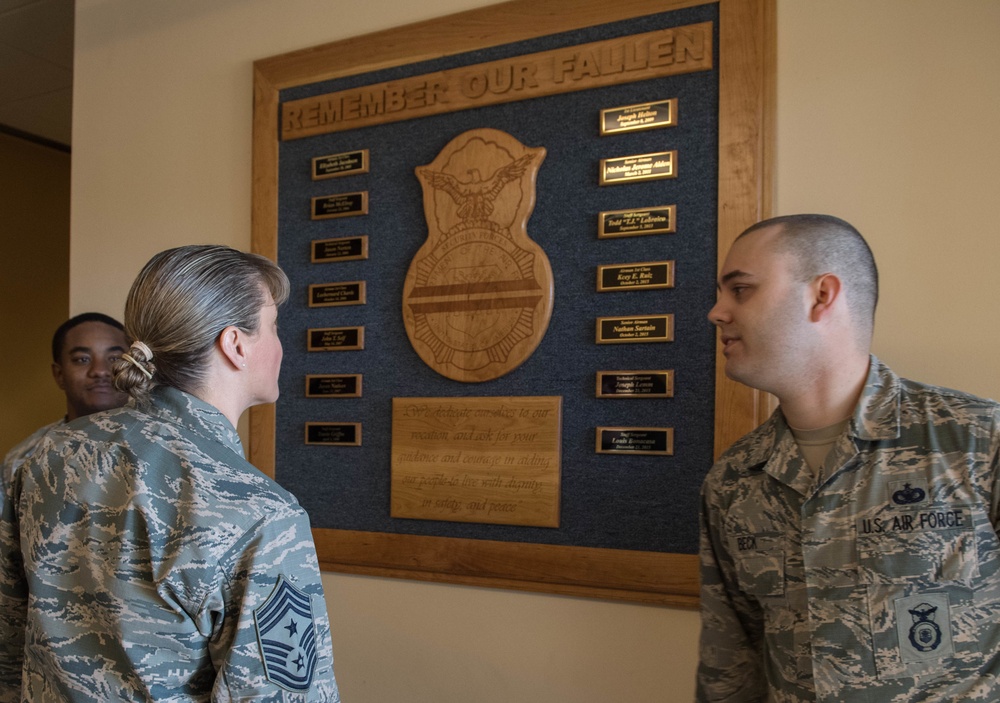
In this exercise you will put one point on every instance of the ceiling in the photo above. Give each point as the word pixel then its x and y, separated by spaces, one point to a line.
pixel 36 69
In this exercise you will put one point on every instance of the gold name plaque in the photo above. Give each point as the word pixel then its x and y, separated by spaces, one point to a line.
pixel 339 249
pixel 635 384
pixel 337 339
pixel 631 118
pixel 635 440
pixel 334 165
pixel 624 330
pixel 640 167
pixel 492 460
pixel 630 223
pixel 346 385
pixel 324 295
pixel 644 275
pixel 327 207
pixel 334 434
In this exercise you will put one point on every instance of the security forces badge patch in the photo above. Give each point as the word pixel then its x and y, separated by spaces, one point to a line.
pixel 923 626
pixel 287 637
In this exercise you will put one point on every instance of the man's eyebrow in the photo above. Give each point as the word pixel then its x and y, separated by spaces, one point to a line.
pixel 88 350
pixel 737 273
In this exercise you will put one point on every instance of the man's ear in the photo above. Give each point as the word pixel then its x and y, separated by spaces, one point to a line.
pixel 57 374
pixel 232 344
pixel 826 290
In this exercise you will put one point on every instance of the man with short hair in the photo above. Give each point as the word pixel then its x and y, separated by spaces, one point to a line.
pixel 849 547
pixel 84 349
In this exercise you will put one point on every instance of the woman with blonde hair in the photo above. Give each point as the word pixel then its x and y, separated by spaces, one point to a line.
pixel 157 562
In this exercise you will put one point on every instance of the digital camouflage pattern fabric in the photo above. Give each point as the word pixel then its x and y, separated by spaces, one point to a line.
pixel 150 548
pixel 876 581
pixel 12 600
pixel 16 456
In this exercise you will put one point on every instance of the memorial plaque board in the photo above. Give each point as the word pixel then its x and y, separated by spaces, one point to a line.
pixel 326 207
pixel 631 118
pixel 336 339
pixel 348 163
pixel 339 249
pixel 325 295
pixel 486 460
pixel 643 275
pixel 640 167
pixel 635 384
pixel 334 434
pixel 624 330
pixel 302 109
pixel 345 385
pixel 629 223
pixel 635 440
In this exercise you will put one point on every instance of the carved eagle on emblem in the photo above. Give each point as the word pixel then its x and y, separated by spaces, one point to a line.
pixel 475 197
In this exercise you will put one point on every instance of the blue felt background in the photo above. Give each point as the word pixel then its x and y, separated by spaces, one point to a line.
pixel 620 502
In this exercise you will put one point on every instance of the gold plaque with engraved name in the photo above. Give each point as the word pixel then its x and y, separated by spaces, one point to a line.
pixel 343 385
pixel 635 384
pixel 336 339
pixel 635 440
pixel 624 330
pixel 326 207
pixel 348 163
pixel 339 249
pixel 643 275
pixel 324 295
pixel 641 167
pixel 630 223
pixel 632 118
pixel 334 434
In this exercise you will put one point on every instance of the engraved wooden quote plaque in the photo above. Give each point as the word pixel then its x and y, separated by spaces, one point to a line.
pixel 478 295
pixel 489 460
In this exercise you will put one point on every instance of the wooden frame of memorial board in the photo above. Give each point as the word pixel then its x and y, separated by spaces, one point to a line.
pixel 746 33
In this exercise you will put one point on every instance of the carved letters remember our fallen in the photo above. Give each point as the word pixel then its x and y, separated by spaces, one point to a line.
pixel 639 57
pixel 478 294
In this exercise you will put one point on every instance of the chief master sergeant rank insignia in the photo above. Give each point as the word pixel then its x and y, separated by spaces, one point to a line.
pixel 287 637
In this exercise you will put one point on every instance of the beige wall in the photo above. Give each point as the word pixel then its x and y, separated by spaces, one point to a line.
pixel 34 268
pixel 884 118
pixel 887 116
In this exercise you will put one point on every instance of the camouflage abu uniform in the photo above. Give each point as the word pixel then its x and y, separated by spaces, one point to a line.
pixel 12 601
pixel 16 456
pixel 880 582
pixel 160 565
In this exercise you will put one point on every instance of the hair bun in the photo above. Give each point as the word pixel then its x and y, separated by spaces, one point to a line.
pixel 141 347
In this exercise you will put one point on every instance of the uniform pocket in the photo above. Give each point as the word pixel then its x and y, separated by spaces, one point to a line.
pixel 760 565
pixel 918 569
pixel 907 548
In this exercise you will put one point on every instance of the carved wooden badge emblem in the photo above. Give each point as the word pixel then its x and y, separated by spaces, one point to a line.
pixel 478 294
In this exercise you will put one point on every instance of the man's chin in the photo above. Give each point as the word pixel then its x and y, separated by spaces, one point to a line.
pixel 740 375
pixel 732 370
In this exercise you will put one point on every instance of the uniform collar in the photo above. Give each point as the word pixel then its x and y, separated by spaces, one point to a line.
pixel 877 415
pixel 875 418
